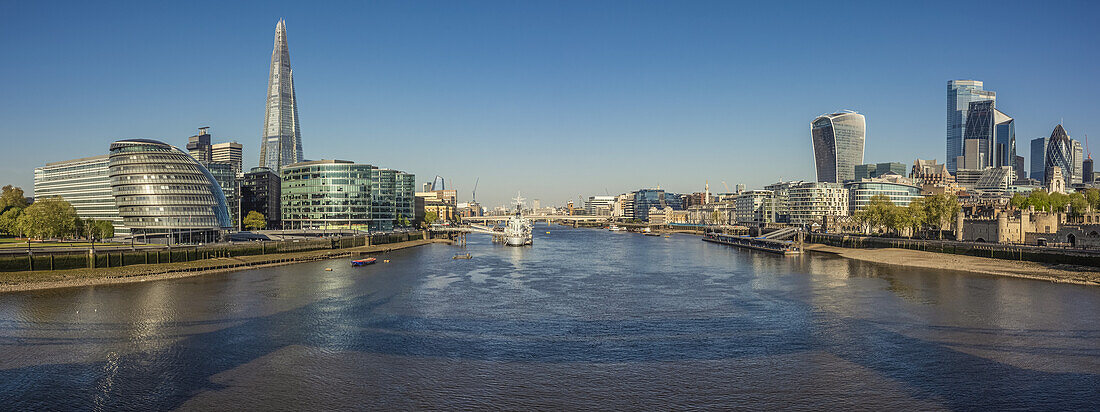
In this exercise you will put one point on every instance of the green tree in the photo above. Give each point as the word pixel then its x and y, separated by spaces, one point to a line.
pixel 8 221
pixel 1092 195
pixel 1019 201
pixel 255 221
pixel 1040 199
pixel 1078 205
pixel 940 209
pixel 1058 202
pixel 104 229
pixel 879 211
pixel 915 215
pixel 51 217
pixel 430 217
pixel 12 197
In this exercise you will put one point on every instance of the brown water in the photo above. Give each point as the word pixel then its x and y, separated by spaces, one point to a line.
pixel 583 319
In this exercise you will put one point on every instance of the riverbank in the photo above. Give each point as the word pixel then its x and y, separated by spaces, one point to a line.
pixel 1080 275
pixel 38 280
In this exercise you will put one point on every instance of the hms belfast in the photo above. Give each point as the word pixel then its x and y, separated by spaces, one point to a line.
pixel 281 144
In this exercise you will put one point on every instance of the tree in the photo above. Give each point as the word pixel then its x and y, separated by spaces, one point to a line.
pixel 8 220
pixel 939 209
pixel 12 197
pixel 878 211
pixel 1040 199
pixel 1078 205
pixel 1092 195
pixel 255 220
pixel 1019 201
pixel 51 217
pixel 430 217
pixel 401 221
pixel 1058 202
pixel 104 229
pixel 915 215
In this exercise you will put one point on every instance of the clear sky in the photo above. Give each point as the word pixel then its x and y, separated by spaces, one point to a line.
pixel 554 98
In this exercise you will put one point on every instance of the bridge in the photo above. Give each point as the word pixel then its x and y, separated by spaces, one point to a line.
pixel 536 218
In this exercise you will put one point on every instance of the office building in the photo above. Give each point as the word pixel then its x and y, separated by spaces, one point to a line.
pixel 599 205
pixel 753 207
pixel 838 145
pixel 229 152
pixel 405 196
pixel 780 200
pixel 900 190
pixel 1078 162
pixel 339 194
pixel 960 93
pixel 1038 158
pixel 163 194
pixel 86 184
pixel 879 169
pixel 646 199
pixel 994 133
pixel 226 176
pixel 1021 173
pixel 996 182
pixel 1087 173
pixel 260 192
pixel 809 202
pixel 198 146
pixel 1060 153
pixel 281 144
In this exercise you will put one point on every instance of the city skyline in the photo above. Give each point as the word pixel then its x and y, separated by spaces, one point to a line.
pixel 431 103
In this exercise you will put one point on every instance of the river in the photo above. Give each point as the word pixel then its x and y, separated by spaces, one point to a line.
pixel 583 319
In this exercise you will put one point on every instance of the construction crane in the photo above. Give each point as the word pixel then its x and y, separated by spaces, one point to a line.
pixel 727 186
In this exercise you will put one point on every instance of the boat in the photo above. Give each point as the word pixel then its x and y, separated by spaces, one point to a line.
pixel 517 232
pixel 466 256
pixel 616 228
pixel 363 262
pixel 651 234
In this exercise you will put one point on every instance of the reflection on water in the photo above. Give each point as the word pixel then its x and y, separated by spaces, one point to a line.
pixel 583 319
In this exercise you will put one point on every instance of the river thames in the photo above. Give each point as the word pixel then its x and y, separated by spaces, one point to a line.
pixel 584 319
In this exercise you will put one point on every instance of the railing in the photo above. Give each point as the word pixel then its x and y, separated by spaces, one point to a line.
pixel 1040 254
pixel 47 260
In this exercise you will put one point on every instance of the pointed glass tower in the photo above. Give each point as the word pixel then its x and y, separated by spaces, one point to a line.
pixel 282 140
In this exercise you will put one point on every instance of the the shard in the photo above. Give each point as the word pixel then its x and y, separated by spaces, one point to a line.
pixel 282 139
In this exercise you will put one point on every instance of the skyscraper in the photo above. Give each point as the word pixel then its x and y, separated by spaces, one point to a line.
pixel 282 140
pixel 838 145
pixel 1038 158
pixel 198 146
pixel 959 95
pixel 1060 153
pixel 1078 163
pixel 228 152
pixel 994 133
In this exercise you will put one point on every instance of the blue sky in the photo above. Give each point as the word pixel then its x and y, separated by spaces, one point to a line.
pixel 557 99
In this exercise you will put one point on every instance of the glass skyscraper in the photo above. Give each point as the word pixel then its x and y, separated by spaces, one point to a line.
pixel 1038 158
pixel 281 144
pixel 838 140
pixel 346 195
pixel 960 93
pixel 995 133
pixel 1059 153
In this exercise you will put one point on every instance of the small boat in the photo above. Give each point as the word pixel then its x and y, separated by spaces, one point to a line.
pixel 328 269
pixel 363 262
pixel 466 256
pixel 652 234
pixel 615 228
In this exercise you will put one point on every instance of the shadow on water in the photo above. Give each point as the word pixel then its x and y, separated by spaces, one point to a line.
pixel 145 381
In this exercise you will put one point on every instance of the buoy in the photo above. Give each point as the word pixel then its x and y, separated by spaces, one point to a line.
pixel 548 233
pixel 386 261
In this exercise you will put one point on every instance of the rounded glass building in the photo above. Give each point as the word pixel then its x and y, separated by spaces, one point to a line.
pixel 165 195
pixel 327 194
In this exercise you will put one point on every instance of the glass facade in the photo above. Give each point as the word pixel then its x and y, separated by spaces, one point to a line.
pixel 654 198
pixel 84 183
pixel 1059 153
pixel 1038 158
pixel 960 93
pixel 338 194
pixel 281 144
pixel 860 193
pixel 838 140
pixel 260 190
pixel 163 193
pixel 225 174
